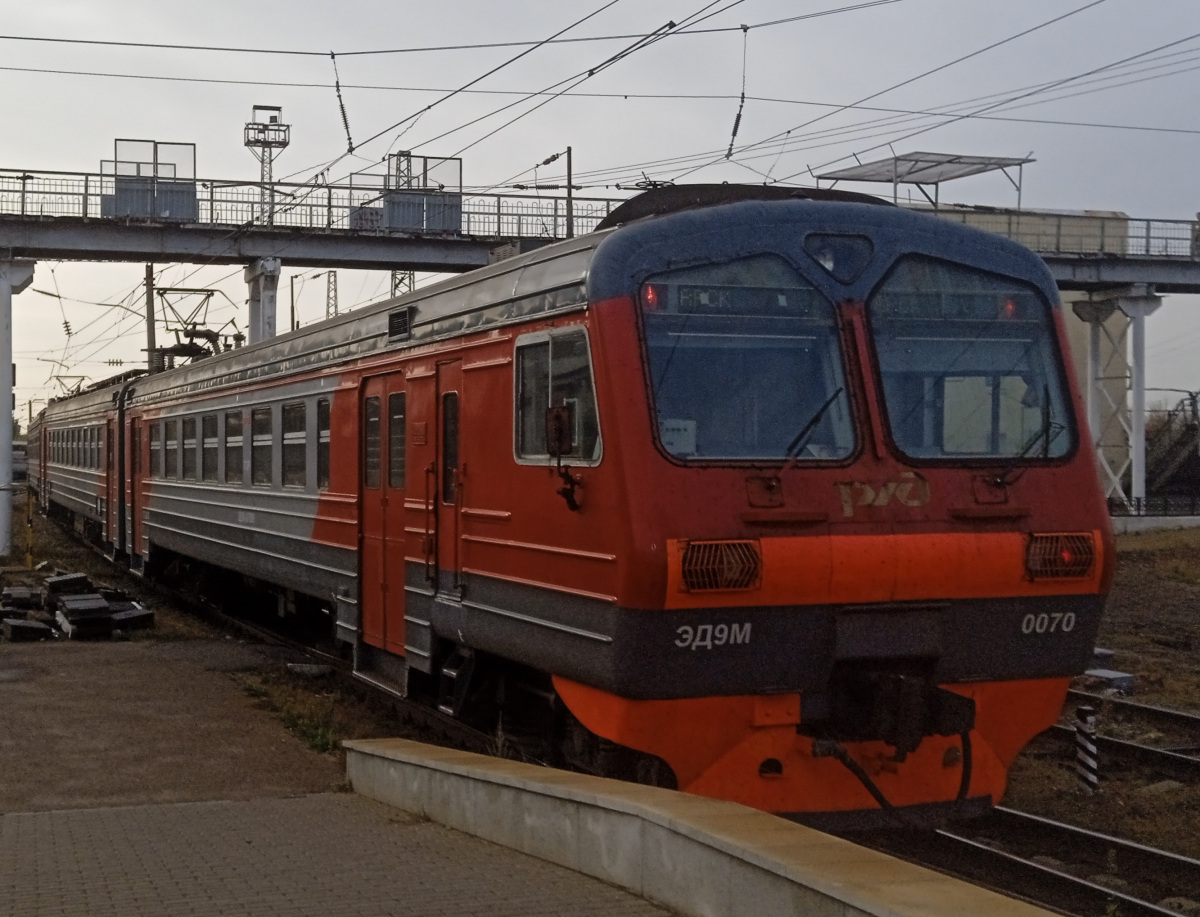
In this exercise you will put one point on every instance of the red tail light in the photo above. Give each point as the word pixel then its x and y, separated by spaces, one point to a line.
pixel 713 565
pixel 1060 555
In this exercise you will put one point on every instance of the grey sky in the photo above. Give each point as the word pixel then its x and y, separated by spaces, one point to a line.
pixel 68 122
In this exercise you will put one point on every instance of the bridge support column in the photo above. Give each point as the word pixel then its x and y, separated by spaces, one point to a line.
pixel 1107 423
pixel 15 276
pixel 1136 302
pixel 262 276
pixel 1138 306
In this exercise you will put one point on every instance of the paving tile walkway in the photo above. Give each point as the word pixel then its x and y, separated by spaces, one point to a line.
pixel 323 855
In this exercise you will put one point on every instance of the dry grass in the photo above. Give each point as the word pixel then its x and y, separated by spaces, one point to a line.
pixel 323 711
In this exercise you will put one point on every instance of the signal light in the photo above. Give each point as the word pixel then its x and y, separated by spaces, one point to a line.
pixel 654 297
pixel 1009 309
pixel 1060 556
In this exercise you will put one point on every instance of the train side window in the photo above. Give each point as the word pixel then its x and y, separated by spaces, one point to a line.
pixel 371 443
pixel 189 448
pixel 261 441
pixel 96 448
pixel 171 450
pixel 295 470
pixel 233 447
pixel 156 457
pixel 449 447
pixel 323 444
pixel 556 371
pixel 397 442
pixel 208 450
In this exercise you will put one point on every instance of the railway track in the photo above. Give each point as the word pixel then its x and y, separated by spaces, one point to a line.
pixel 1055 865
pixel 1178 755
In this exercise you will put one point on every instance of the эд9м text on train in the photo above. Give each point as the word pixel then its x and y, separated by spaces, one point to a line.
pixel 785 501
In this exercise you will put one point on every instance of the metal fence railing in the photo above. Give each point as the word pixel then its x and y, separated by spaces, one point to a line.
pixel 1163 505
pixel 294 206
pixel 367 207
pixel 1085 234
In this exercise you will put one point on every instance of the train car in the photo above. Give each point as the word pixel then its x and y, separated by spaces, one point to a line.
pixel 766 496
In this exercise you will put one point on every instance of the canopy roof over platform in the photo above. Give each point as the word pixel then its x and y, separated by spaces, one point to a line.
pixel 929 169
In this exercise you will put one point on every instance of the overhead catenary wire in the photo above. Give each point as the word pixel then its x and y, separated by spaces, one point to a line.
pixel 924 74
pixel 986 108
pixel 632 170
pixel 473 46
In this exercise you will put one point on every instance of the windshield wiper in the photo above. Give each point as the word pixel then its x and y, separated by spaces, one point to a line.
pixel 1042 435
pixel 794 448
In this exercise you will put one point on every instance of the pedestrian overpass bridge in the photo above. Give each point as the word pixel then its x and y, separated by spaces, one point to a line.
pixel 1112 269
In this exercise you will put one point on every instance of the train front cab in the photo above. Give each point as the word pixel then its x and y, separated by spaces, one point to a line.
pixel 867 551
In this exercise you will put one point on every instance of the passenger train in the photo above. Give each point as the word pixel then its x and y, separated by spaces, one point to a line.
pixel 771 495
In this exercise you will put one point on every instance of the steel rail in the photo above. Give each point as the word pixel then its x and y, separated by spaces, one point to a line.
pixel 1048 863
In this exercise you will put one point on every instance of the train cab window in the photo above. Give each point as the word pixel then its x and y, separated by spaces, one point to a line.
pixel 555 370
pixel 969 365
pixel 208 447
pixel 261 440
pixel 171 450
pixel 744 364
pixel 295 445
pixel 397 404
pixel 233 447
pixel 372 444
pixel 156 456
pixel 322 444
pixel 189 448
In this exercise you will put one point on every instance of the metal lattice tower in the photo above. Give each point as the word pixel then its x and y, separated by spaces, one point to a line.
pixel 331 305
pixel 403 282
pixel 266 136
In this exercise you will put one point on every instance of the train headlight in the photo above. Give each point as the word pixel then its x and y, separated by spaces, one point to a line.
pixel 1060 555
pixel 713 565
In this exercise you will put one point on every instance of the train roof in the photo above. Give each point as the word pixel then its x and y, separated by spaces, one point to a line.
pixel 604 264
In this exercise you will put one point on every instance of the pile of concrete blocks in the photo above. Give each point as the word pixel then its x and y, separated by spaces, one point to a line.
pixel 69 606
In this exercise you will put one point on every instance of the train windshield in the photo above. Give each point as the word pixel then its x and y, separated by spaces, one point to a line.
pixel 969 365
pixel 744 364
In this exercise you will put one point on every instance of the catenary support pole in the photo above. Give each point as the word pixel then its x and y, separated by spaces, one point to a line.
pixel 154 360
pixel 15 276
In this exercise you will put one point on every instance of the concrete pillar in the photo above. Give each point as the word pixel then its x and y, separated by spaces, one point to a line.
pixel 14 277
pixel 262 276
pixel 1138 306
pixel 1095 314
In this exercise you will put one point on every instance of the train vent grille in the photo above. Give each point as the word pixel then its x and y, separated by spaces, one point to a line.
pixel 712 565
pixel 1060 555
pixel 400 324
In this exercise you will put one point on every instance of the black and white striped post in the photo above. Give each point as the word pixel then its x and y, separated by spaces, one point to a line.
pixel 1087 761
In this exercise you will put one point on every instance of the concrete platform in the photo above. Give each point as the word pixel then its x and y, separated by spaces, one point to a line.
pixel 701 857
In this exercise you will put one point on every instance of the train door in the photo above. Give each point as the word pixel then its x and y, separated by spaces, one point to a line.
pixel 134 524
pixel 384 416
pixel 449 476
pixel 109 470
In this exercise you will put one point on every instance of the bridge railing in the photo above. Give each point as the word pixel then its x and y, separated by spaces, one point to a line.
pixel 369 208
pixel 1084 233
pixel 294 206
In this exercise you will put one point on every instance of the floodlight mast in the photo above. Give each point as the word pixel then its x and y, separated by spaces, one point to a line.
pixel 266 136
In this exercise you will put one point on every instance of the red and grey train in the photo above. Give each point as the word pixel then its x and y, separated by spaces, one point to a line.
pixel 784 499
